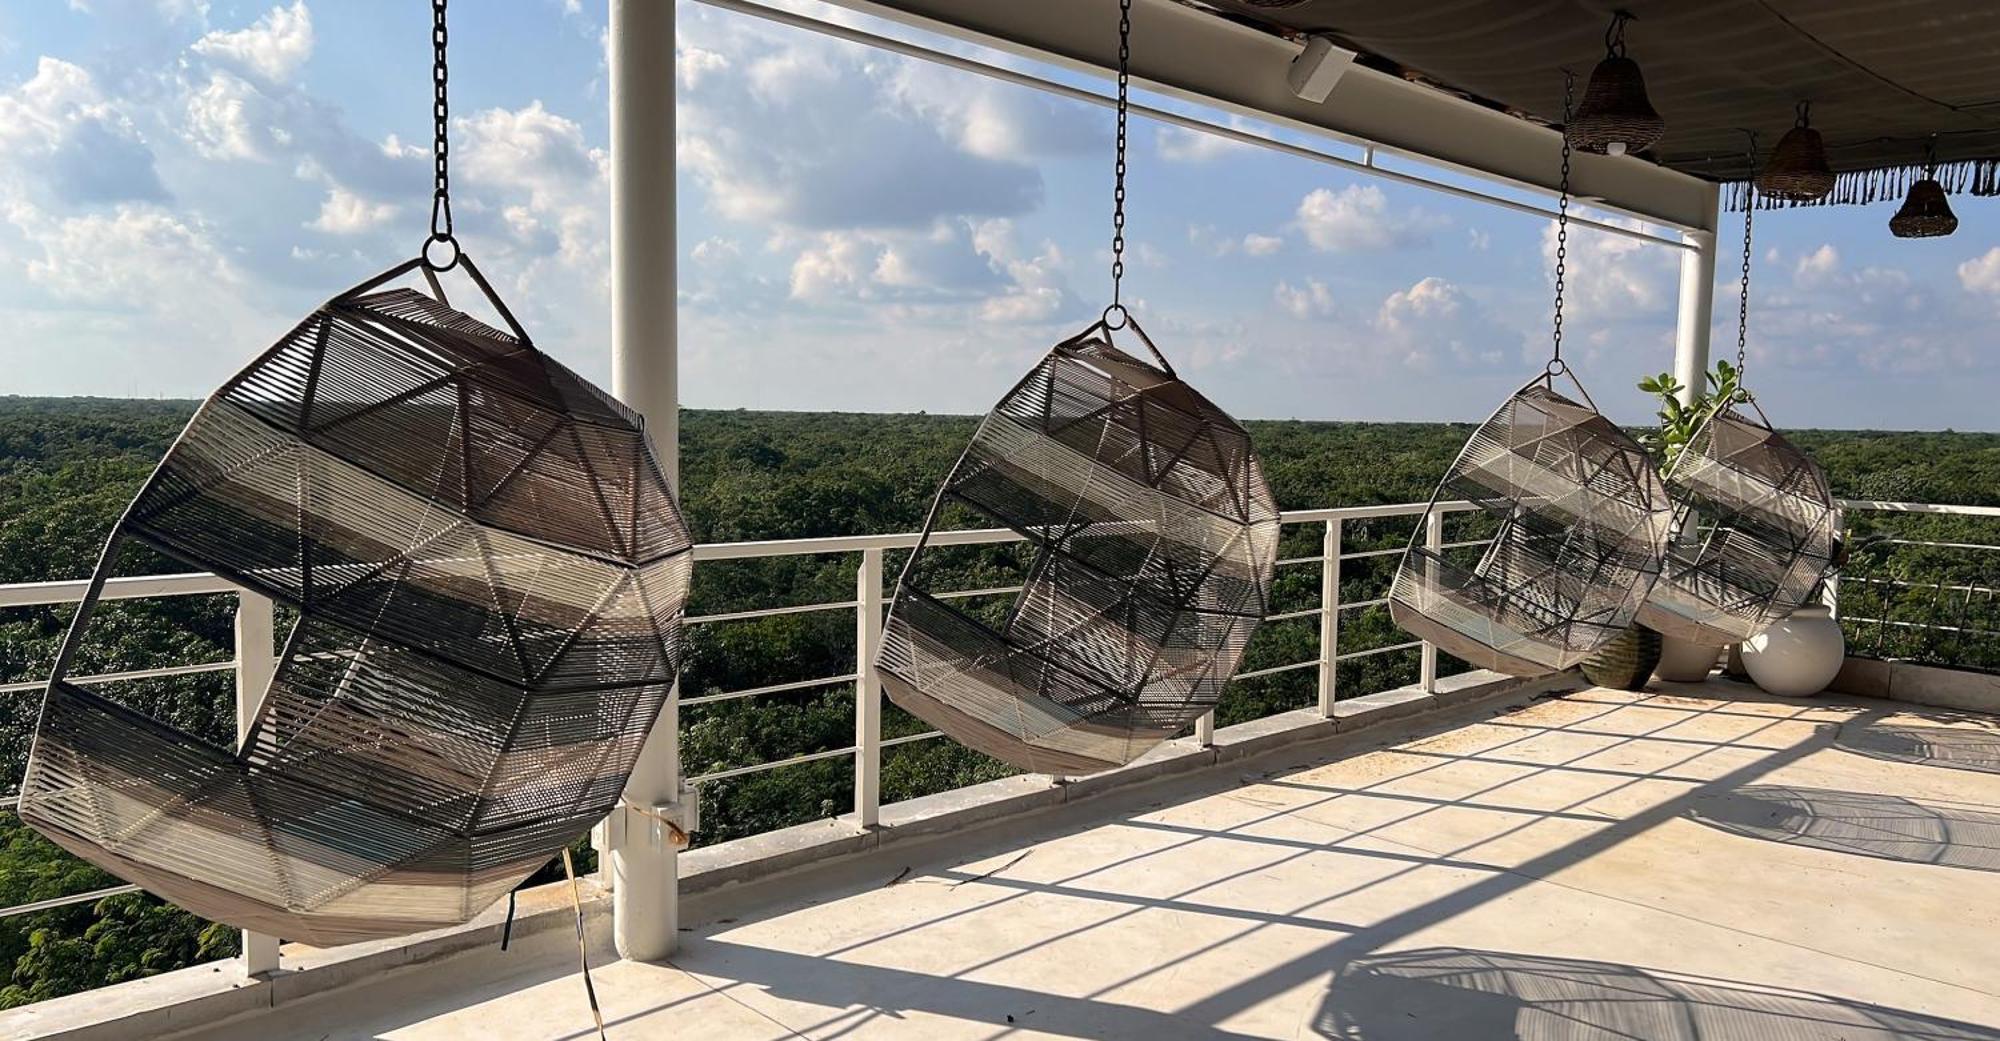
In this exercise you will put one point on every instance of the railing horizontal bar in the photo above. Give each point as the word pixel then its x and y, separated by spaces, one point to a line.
pixel 809 757
pixel 1902 584
pixel 770 612
pixel 965 593
pixel 1858 620
pixel 1350 605
pixel 1255 673
pixel 120 677
pixel 1937 545
pixel 891 742
pixel 1920 507
pixel 65 901
pixel 36 594
pixel 1300 560
pixel 1372 651
pixel 775 688
pixel 1371 553
pixel 1310 612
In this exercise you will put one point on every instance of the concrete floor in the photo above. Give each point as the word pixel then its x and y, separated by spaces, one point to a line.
pixel 1698 862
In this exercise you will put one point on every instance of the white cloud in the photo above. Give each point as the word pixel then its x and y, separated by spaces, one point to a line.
pixel 1357 218
pixel 694 64
pixel 1981 274
pixel 1434 320
pixel 1262 245
pixel 537 162
pixel 222 119
pixel 273 48
pixel 1612 277
pixel 1478 240
pixel 345 213
pixel 1311 300
pixel 66 143
pixel 1818 264
pixel 715 250
pixel 131 254
pixel 1181 145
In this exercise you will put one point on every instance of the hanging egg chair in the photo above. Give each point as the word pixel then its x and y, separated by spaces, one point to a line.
pixel 1151 540
pixel 1580 521
pixel 1153 536
pixel 1758 525
pixel 488 571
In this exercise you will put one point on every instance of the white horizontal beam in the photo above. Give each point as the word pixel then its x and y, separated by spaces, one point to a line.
pixel 1366 165
pixel 1192 55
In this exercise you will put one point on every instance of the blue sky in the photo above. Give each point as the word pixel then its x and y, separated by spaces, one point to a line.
pixel 180 181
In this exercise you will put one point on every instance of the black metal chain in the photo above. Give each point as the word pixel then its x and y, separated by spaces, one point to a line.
pixel 1562 225
pixel 1614 35
pixel 441 228
pixel 1743 287
pixel 1118 170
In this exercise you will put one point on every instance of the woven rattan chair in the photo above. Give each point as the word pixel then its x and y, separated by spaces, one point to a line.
pixel 1582 521
pixel 1760 528
pixel 489 573
pixel 1153 538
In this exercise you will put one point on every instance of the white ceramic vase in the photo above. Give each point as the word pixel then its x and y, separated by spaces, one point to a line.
pixel 1685 661
pixel 1799 656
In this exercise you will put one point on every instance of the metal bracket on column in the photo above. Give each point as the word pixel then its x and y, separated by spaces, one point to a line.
pixel 670 822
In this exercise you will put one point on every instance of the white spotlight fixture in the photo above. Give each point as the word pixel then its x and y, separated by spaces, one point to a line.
pixel 1317 68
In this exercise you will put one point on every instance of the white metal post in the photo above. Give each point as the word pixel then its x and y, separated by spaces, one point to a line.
pixel 644 375
pixel 256 663
pixel 1329 617
pixel 1204 729
pixel 1433 541
pixel 1697 305
pixel 867 693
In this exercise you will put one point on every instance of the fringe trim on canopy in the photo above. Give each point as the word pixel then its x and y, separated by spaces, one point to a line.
pixel 1977 176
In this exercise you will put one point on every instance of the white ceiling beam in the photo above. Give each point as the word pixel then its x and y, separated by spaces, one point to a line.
pixel 1195 56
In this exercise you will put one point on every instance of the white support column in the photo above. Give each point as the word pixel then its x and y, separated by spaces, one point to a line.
pixel 1433 541
pixel 1204 730
pixel 1329 617
pixel 644 375
pixel 256 663
pixel 867 692
pixel 1697 304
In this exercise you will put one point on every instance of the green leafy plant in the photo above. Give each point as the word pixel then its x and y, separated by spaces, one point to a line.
pixel 1679 422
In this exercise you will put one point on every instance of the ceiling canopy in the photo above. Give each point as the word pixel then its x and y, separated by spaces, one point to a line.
pixel 1883 76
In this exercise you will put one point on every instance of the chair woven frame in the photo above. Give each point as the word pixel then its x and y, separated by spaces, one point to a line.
pixel 1582 524
pixel 490 573
pixel 1759 530
pixel 1153 537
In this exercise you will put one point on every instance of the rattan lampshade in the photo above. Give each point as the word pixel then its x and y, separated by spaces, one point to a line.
pixel 1926 213
pixel 1797 170
pixel 1153 537
pixel 489 572
pixel 1582 522
pixel 1758 524
pixel 1615 110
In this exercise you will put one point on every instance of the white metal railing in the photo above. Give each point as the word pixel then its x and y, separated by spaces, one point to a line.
pixel 256 657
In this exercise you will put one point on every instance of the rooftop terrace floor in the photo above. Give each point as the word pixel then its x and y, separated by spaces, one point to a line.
pixel 1691 862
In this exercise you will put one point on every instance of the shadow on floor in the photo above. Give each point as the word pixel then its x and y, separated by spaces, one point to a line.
pixel 1886 827
pixel 1954 747
pixel 1449 992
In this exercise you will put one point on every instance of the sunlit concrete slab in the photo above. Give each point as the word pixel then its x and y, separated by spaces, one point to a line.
pixel 1696 861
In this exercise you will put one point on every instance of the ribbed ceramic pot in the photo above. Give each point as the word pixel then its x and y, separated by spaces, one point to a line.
pixel 1799 656
pixel 1626 663
pixel 1685 661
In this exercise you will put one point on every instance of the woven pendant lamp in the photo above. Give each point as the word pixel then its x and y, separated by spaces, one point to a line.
pixel 1616 117
pixel 1797 170
pixel 1925 213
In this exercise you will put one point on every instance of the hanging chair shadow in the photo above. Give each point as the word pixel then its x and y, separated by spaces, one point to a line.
pixel 1152 537
pixel 1760 528
pixel 489 572
pixel 1581 520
